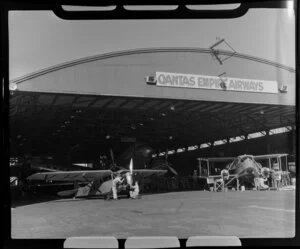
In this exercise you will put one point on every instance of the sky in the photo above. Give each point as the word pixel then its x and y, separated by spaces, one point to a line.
pixel 39 39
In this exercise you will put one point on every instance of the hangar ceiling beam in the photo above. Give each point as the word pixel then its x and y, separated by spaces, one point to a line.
pixel 51 108
pixel 286 121
pixel 290 113
pixel 258 109
pixel 228 124
pixel 185 107
pixel 258 123
pixel 223 108
pixel 174 127
pixel 34 108
pixel 23 106
pixel 274 110
pixel 158 105
pixel 211 107
pixel 194 106
pixel 35 133
pixel 136 102
pixel 247 108
pixel 237 109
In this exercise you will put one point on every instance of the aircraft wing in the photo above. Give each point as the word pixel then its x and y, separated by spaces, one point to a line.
pixel 258 157
pixel 147 172
pixel 150 172
pixel 71 176
pixel 219 176
pixel 217 159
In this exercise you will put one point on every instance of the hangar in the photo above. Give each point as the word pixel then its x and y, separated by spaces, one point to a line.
pixel 170 98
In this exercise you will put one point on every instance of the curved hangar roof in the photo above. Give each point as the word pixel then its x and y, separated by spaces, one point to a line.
pixel 78 105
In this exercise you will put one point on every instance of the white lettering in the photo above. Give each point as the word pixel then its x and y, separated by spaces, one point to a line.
pixel 213 82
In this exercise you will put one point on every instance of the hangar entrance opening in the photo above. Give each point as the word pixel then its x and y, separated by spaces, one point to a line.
pixel 75 128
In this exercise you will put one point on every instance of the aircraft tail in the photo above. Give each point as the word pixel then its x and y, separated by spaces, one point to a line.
pixel 162 164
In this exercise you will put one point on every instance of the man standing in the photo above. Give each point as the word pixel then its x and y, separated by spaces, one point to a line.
pixel 277 178
pixel 115 182
pixel 195 179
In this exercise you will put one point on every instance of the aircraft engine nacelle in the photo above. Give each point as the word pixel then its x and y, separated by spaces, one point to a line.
pixel 247 167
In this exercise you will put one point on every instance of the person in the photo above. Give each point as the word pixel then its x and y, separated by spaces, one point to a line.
pixel 261 183
pixel 115 182
pixel 195 179
pixel 134 191
pixel 216 171
pixel 277 176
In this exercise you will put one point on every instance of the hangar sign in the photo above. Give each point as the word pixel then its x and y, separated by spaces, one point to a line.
pixel 213 83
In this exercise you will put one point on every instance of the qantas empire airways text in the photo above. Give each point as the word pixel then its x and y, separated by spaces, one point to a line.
pixel 213 82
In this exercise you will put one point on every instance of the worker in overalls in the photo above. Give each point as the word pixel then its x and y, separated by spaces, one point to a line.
pixel 117 180
pixel 262 181
pixel 135 191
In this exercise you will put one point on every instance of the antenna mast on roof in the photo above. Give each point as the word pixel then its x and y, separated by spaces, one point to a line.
pixel 215 52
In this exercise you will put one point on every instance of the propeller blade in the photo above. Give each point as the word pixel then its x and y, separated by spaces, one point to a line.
pixel 112 157
pixel 172 170
pixel 131 165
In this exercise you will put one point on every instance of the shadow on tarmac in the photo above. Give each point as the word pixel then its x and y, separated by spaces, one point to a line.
pixel 29 200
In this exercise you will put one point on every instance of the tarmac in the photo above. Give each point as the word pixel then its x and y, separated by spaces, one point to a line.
pixel 248 214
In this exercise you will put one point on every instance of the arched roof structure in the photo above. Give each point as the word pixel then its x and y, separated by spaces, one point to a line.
pixel 75 106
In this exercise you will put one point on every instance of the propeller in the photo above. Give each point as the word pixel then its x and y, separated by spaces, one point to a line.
pixel 113 166
pixel 112 157
pixel 164 165
pixel 172 170
pixel 131 166
pixel 168 165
